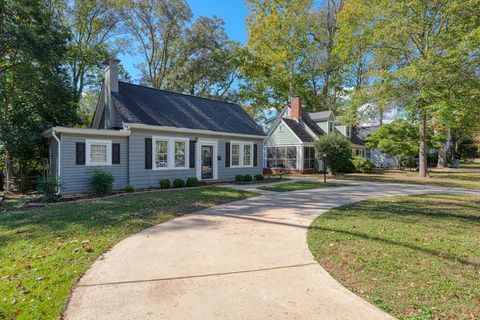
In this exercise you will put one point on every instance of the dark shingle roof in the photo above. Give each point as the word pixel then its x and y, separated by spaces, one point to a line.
pixel 364 132
pixel 299 131
pixel 311 124
pixel 139 104
pixel 356 140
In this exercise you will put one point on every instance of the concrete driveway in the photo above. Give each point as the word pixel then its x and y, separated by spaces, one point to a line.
pixel 242 260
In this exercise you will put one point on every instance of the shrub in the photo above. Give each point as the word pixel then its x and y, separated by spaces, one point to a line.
pixel 192 182
pixel 129 188
pixel 363 165
pixel 178 183
pixel 48 187
pixel 337 148
pixel 259 177
pixel 164 184
pixel 239 178
pixel 247 178
pixel 101 181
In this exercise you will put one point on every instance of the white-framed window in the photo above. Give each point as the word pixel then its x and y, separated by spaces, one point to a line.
pixel 170 153
pixel 99 152
pixel 280 128
pixel 235 154
pixel 241 154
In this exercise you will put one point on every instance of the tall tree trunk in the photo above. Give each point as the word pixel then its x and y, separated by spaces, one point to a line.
pixel 422 157
pixel 442 152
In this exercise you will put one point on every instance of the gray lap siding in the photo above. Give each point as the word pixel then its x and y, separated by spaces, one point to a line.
pixel 144 178
pixel 75 178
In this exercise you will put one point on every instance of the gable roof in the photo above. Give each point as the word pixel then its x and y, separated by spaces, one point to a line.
pixel 364 132
pixel 320 115
pixel 311 124
pixel 299 131
pixel 149 106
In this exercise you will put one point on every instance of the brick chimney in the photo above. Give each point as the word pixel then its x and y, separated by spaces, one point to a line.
pixel 110 86
pixel 296 108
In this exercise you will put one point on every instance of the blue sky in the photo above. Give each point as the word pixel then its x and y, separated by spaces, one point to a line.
pixel 233 12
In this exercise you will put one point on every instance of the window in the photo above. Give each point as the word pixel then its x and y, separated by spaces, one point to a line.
pixel 280 128
pixel 235 155
pixel 99 152
pixel 247 155
pixel 161 153
pixel 369 153
pixel 330 126
pixel 281 157
pixel 180 153
pixel 241 154
pixel 170 153
pixel 308 158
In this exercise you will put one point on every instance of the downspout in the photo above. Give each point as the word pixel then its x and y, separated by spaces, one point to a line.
pixel 58 159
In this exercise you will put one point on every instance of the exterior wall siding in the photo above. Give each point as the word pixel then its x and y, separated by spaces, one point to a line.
pixel 53 165
pixel 286 137
pixel 144 178
pixel 75 178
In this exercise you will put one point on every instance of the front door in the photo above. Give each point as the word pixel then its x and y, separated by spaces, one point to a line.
pixel 207 162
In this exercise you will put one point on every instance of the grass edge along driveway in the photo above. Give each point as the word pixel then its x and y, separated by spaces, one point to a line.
pixel 416 257
pixel 300 185
pixel 44 251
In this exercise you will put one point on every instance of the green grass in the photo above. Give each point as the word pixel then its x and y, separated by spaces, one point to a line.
pixel 469 180
pixel 300 185
pixel 416 257
pixel 44 251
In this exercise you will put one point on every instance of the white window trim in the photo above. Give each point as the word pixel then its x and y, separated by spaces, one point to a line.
pixel 88 143
pixel 281 128
pixel 171 152
pixel 241 151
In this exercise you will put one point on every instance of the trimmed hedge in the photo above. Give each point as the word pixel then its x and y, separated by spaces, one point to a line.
pixel 247 178
pixel 178 183
pixel 193 182
pixel 259 177
pixel 164 184
pixel 239 178
pixel 363 165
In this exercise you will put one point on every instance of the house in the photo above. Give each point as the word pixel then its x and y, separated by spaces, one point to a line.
pixel 291 136
pixel 142 135
pixel 378 157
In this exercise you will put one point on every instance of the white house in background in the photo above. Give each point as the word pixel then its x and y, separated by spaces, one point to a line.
pixel 378 157
pixel 291 135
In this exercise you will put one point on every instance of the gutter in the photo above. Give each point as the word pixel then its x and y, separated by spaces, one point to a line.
pixel 58 159
pixel 128 126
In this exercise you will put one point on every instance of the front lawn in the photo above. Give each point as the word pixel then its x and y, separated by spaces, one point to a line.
pixel 415 257
pixel 300 185
pixel 44 251
pixel 461 179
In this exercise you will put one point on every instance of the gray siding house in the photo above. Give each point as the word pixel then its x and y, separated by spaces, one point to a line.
pixel 143 135
pixel 291 137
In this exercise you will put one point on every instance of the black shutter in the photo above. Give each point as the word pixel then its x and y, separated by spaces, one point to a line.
pixel 193 144
pixel 115 153
pixel 80 153
pixel 148 153
pixel 227 154
pixel 255 155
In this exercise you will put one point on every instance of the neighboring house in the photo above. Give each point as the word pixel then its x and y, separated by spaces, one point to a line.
pixel 378 157
pixel 143 135
pixel 289 146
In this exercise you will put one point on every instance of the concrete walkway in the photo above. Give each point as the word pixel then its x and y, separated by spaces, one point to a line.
pixel 242 260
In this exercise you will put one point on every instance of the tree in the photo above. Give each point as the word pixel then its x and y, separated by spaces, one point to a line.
pixel 275 51
pixel 34 89
pixel 417 42
pixel 398 138
pixel 338 151
pixel 94 26
pixel 194 57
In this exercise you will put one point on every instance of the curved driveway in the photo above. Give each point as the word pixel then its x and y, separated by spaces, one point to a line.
pixel 242 260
